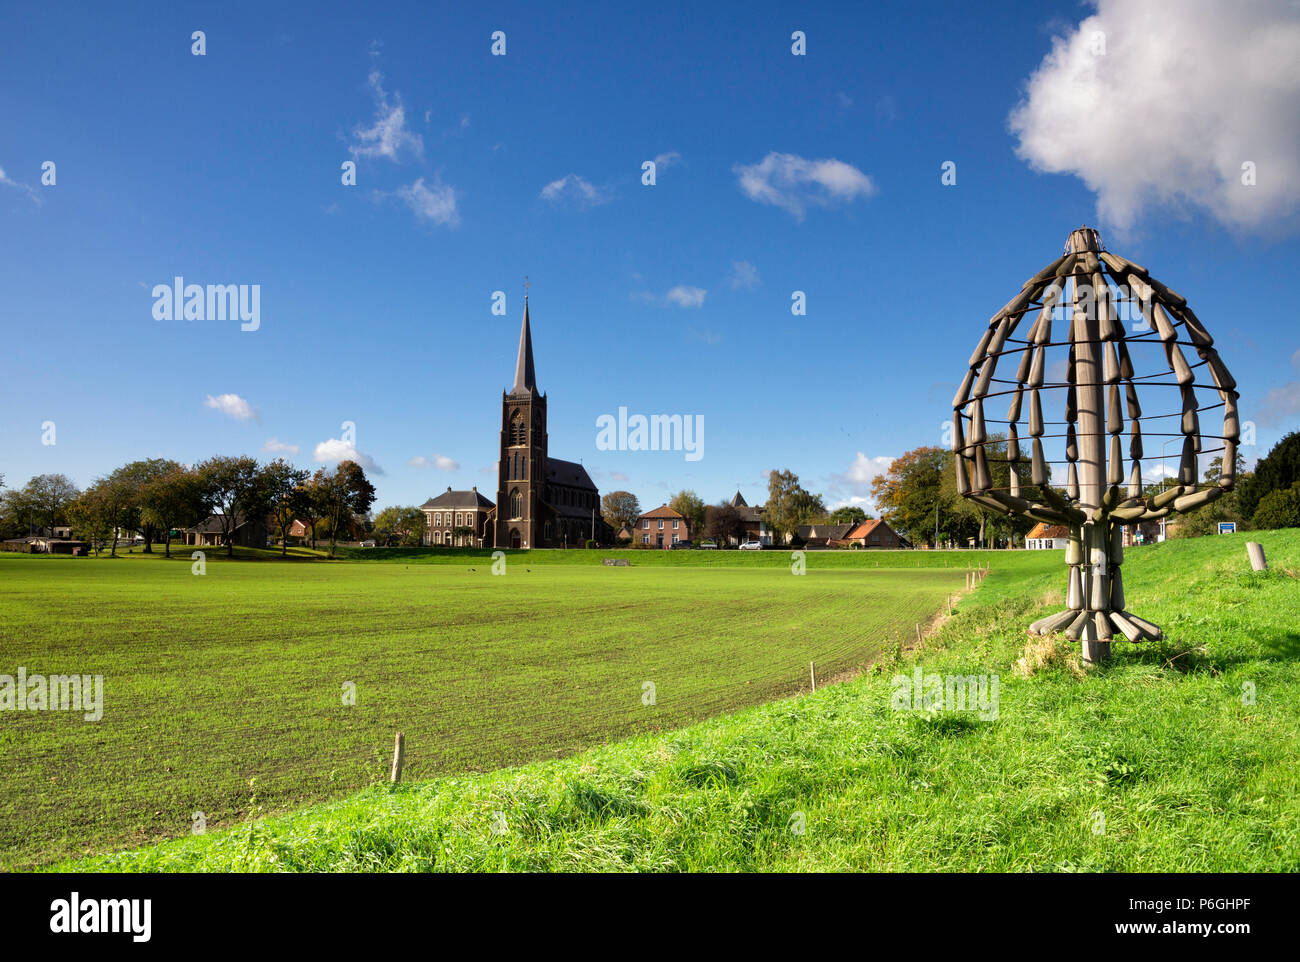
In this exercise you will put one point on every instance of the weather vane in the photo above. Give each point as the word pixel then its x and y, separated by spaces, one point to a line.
pixel 1093 505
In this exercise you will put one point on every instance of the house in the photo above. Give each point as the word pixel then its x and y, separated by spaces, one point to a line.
pixel 874 533
pixel 1047 537
pixel 822 535
pixel 38 544
pixel 752 527
pixel 457 509
pixel 208 533
pixel 661 527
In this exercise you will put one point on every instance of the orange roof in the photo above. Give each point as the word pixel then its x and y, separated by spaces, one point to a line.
pixel 864 528
pixel 1042 530
pixel 663 511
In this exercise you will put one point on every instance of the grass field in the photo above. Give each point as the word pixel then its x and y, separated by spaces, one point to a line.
pixel 223 694
pixel 1182 755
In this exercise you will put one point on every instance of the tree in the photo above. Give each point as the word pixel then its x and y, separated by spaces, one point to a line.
pixel 137 477
pixel 848 514
pixel 106 508
pixel 17 513
pixel 691 507
pixel 1205 519
pixel 404 526
pixel 1278 470
pixel 313 506
pixel 90 516
pixel 909 493
pixel 722 523
pixel 172 500
pixel 789 504
pixel 282 484
pixel 462 533
pixel 620 509
pixel 1279 509
pixel 236 488
pixel 345 493
pixel 49 496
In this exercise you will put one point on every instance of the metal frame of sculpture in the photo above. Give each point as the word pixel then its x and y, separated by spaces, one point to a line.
pixel 1076 290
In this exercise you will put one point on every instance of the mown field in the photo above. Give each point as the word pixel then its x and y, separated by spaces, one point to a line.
pixel 1179 756
pixel 224 692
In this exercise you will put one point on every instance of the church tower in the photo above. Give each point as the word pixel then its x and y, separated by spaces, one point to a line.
pixel 521 470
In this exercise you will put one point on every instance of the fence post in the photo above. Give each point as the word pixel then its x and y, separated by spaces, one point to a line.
pixel 1255 551
pixel 399 756
pixel 812 674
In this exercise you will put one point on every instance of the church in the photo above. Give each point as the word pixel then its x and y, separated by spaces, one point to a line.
pixel 542 501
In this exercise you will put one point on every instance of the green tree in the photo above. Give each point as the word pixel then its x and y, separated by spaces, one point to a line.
pixel 848 514
pixel 1279 509
pixel 911 491
pixel 691 507
pixel 403 525
pixel 138 476
pixel 345 493
pixel 173 499
pixel 1278 470
pixel 285 496
pixel 789 504
pixel 1205 519
pixel 620 509
pixel 235 488
pixel 49 496
pixel 107 508
pixel 722 523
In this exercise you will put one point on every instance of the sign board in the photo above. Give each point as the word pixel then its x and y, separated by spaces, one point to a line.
pixel 616 562
pixel 1227 527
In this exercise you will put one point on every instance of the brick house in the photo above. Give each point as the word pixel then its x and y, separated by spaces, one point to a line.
pixel 874 533
pixel 456 509
pixel 661 528
pixel 1046 537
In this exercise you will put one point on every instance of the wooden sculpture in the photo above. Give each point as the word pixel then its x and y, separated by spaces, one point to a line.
pixel 1073 297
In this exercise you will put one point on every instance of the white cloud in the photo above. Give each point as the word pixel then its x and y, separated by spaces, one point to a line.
pixel 617 476
pixel 388 135
pixel 853 485
pixel 744 275
pixel 231 405
pixel 1295 360
pixel 1180 99
pixel 795 183
pixel 667 159
pixel 573 189
pixel 274 446
pixel 31 192
pixel 684 296
pixel 439 461
pixel 435 203
pixel 1281 404
pixel 333 451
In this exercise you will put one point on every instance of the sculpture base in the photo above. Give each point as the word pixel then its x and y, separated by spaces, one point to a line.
pixel 1097 626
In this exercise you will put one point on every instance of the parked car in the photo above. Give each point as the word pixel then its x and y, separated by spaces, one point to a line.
pixel 368 543
pixel 682 544
pixel 708 546
pixel 752 546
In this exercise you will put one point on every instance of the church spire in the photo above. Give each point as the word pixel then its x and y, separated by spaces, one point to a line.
pixel 525 379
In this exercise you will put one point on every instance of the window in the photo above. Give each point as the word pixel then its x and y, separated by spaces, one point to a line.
pixel 661 525
pixel 674 538
pixel 645 539
pixel 517 430
pixel 460 517
pixel 674 526
pixel 645 525
pixel 516 504
pixel 437 537
pixel 437 517
pixel 446 537
pixel 548 531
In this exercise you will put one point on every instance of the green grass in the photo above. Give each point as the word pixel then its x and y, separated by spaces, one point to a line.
pixel 1186 772
pixel 223 693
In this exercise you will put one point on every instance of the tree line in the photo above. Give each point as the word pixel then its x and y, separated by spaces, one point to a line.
pixel 158 496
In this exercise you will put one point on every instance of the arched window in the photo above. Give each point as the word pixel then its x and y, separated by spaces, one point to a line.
pixel 516 504
pixel 517 429
pixel 437 537
pixel 548 531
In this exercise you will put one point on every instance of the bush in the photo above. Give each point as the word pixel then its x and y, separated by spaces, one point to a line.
pixel 1279 509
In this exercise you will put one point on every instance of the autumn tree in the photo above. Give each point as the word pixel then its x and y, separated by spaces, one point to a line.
pixel 620 509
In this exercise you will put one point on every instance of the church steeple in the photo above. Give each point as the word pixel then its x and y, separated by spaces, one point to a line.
pixel 525 379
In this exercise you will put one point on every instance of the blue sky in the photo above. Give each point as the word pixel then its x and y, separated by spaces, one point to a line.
pixel 818 173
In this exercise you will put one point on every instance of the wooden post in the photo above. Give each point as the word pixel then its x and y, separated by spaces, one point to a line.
pixel 399 756
pixel 918 634
pixel 812 674
pixel 1255 551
